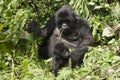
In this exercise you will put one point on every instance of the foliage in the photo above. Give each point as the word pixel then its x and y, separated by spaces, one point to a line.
pixel 99 13
pixel 18 49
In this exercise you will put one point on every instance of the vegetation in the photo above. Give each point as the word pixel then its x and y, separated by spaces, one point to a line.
pixel 18 49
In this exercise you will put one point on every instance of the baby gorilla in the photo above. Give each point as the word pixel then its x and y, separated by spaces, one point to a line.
pixel 60 57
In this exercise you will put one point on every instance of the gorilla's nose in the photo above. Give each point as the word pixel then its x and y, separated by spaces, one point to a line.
pixel 64 25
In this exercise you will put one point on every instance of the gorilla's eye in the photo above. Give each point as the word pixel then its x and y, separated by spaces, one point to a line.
pixel 67 21
pixel 64 21
pixel 60 23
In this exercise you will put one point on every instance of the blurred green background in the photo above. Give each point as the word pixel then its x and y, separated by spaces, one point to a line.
pixel 18 49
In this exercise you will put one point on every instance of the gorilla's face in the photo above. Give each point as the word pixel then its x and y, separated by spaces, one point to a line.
pixel 65 53
pixel 61 51
pixel 64 19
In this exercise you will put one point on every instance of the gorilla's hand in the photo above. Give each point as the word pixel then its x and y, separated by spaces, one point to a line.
pixel 33 27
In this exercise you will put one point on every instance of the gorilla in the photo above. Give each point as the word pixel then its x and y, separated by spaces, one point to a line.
pixel 60 58
pixel 75 32
pixel 68 28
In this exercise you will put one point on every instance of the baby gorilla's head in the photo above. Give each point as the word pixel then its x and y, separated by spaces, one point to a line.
pixel 61 51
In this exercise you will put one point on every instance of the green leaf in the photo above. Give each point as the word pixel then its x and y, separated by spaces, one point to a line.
pixel 25 63
pixel 98 7
pixel 91 3
pixel 1 27
pixel 36 78
pixel 107 32
pixel 86 11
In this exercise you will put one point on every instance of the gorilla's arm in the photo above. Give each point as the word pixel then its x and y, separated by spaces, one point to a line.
pixel 85 40
pixel 85 34
pixel 49 27
pixel 77 56
pixel 33 27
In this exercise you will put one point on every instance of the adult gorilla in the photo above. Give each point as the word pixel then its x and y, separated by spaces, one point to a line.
pixel 67 27
pixel 75 32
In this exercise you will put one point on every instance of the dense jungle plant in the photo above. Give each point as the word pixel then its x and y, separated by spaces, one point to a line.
pixel 18 49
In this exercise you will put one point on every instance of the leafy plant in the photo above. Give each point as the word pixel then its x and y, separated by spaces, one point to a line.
pixel 18 49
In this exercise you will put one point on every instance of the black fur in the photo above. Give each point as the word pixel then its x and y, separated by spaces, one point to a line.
pixel 33 26
pixel 60 58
